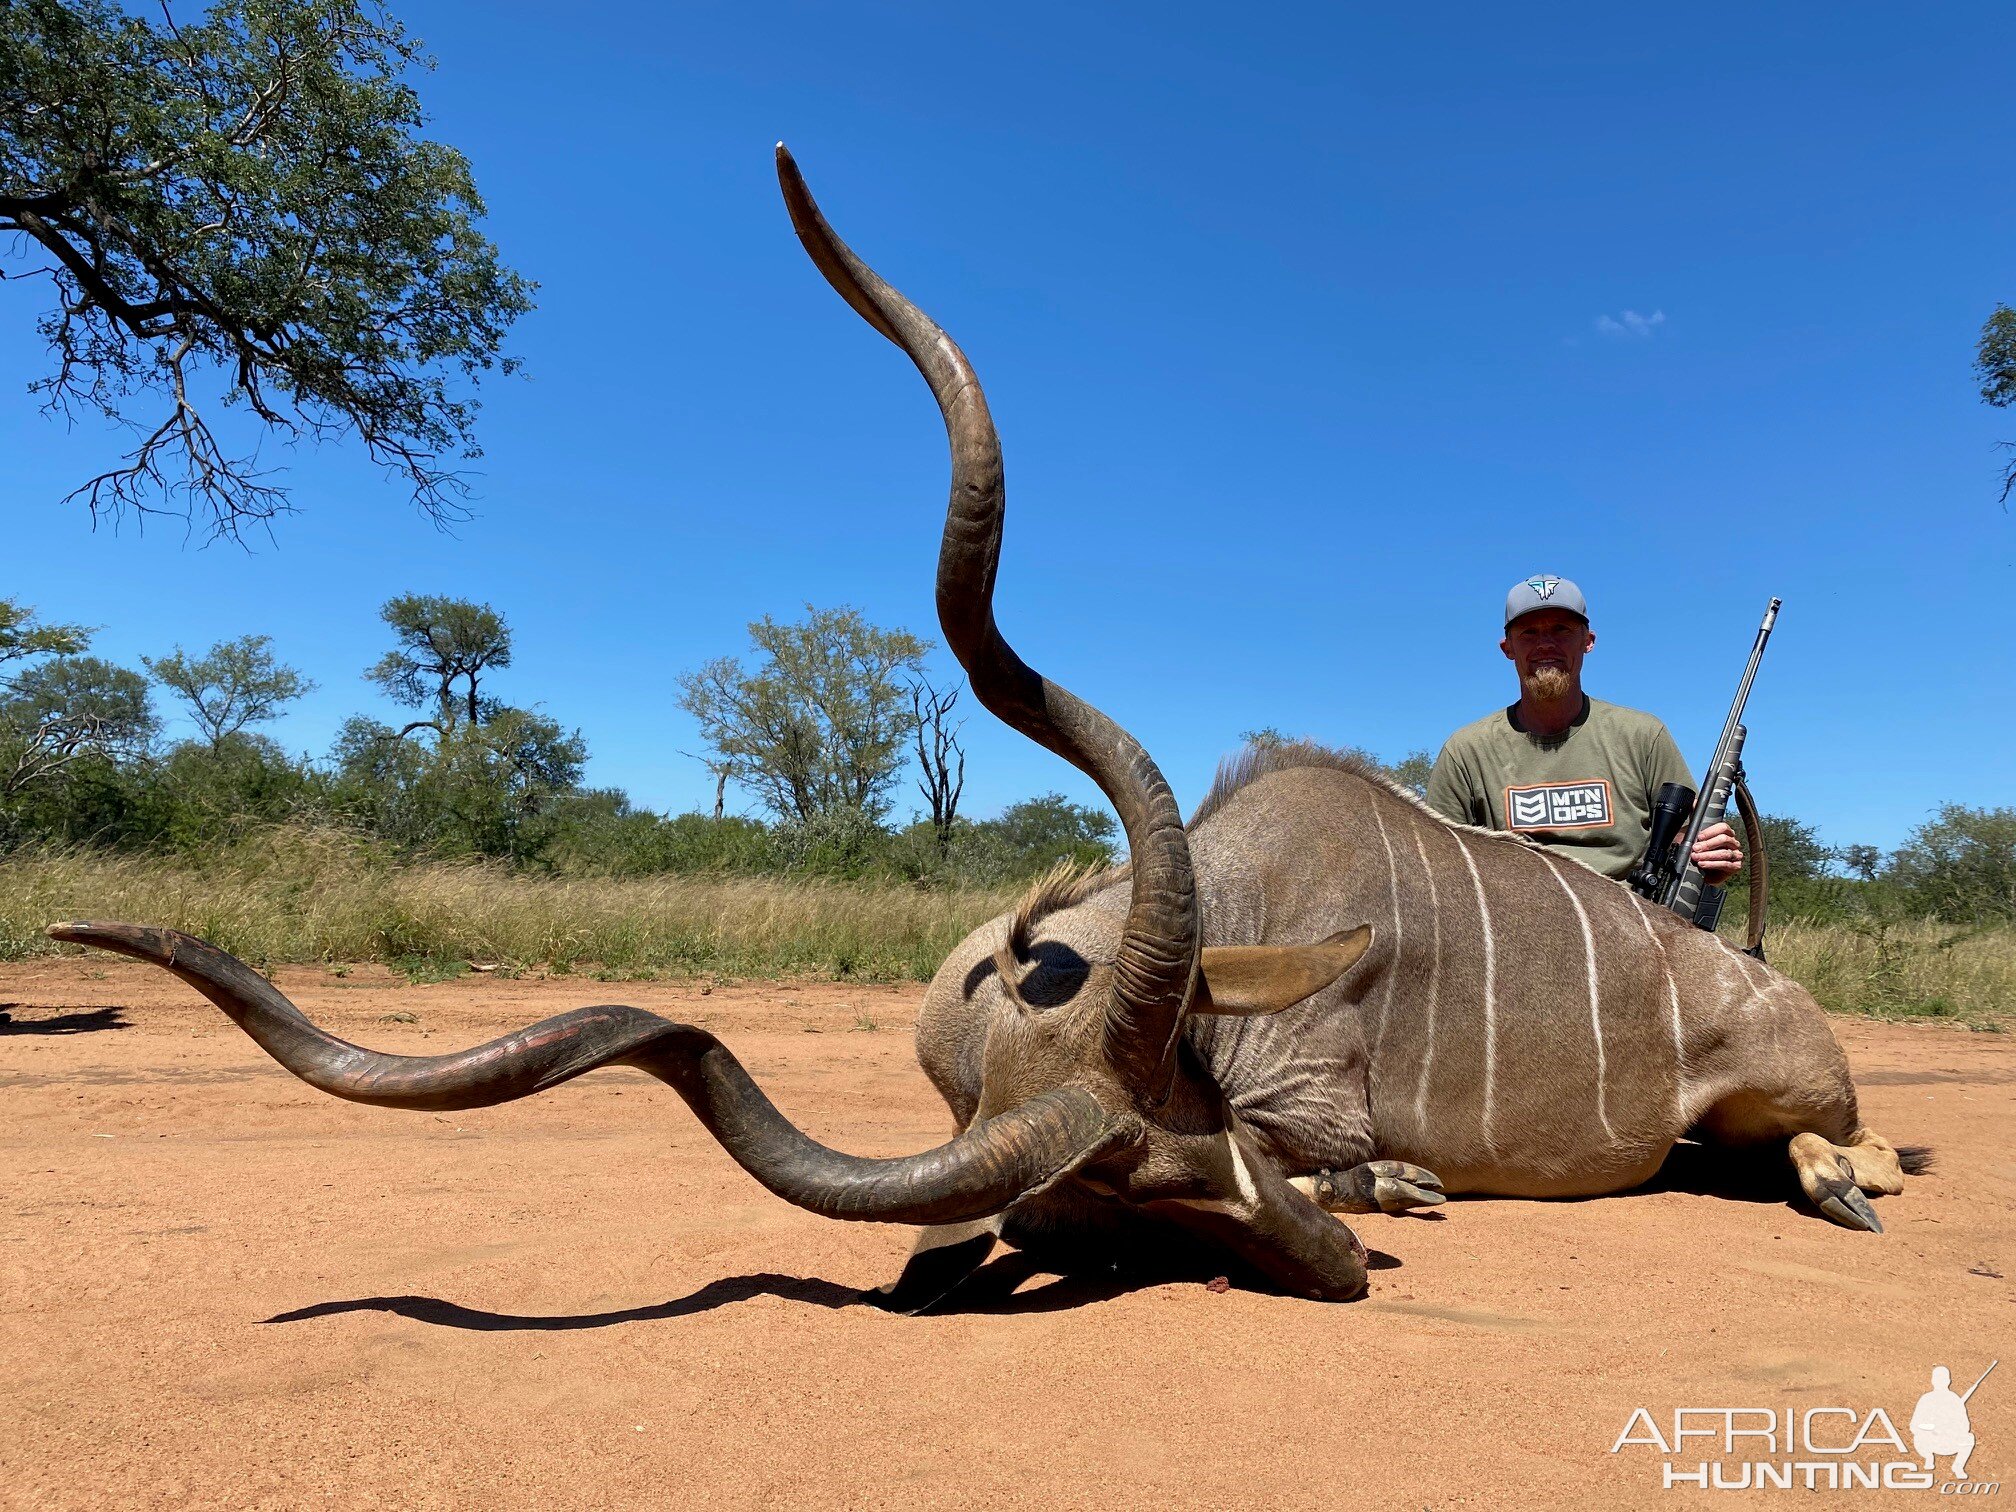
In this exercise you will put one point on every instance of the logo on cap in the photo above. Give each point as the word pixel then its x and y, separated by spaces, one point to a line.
pixel 1543 587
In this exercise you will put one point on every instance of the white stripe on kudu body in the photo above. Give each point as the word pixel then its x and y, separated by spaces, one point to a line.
pixel 1490 990
pixel 1673 1008
pixel 1743 964
pixel 1399 937
pixel 1595 1012
pixel 1434 974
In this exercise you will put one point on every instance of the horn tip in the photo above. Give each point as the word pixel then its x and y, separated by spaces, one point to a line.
pixel 103 934
pixel 792 182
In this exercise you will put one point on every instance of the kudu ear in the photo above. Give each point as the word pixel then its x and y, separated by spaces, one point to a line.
pixel 1247 979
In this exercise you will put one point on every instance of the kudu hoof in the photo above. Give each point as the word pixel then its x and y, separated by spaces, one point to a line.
pixel 1377 1186
pixel 1842 1202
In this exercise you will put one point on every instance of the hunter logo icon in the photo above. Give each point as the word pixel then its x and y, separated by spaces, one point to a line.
pixel 1558 805
pixel 1939 1423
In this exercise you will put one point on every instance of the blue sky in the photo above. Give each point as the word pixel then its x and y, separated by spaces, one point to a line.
pixel 1309 329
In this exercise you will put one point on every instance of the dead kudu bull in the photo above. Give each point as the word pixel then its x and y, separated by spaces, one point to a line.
pixel 1312 999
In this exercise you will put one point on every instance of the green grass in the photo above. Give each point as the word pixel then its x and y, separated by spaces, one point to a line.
pixel 420 969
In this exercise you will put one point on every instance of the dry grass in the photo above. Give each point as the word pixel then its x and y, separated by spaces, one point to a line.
pixel 1914 969
pixel 312 896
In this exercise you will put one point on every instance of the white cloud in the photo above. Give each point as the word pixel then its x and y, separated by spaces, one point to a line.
pixel 1631 323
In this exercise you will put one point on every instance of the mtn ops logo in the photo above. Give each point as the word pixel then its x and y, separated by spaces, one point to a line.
pixel 1543 587
pixel 1820 1448
pixel 1558 805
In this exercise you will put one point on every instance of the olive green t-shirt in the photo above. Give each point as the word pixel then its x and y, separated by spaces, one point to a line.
pixel 1585 794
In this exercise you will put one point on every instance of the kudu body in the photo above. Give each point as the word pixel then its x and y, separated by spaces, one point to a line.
pixel 1129 1049
pixel 1520 1026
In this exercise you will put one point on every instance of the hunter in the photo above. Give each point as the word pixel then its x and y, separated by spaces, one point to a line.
pixel 1571 772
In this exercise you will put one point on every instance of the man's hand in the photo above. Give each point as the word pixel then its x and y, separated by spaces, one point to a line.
pixel 1717 854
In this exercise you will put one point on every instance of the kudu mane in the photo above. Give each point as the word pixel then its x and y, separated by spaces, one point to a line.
pixel 1254 762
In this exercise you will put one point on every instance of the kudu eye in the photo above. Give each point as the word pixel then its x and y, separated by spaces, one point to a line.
pixel 1054 975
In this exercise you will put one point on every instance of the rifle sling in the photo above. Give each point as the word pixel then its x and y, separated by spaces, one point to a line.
pixel 1759 863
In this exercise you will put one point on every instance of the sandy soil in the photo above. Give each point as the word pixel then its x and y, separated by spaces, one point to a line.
pixel 218 1287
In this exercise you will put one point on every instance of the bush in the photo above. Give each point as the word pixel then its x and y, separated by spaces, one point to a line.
pixel 481 789
pixel 1024 842
pixel 839 843
pixel 198 796
pixel 598 833
pixel 1803 885
pixel 1961 866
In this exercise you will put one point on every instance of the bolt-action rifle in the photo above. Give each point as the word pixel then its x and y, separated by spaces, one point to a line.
pixel 1666 873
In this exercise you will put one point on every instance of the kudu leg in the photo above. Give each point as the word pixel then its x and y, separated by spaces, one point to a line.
pixel 1791 1090
pixel 1878 1164
pixel 1836 1158
pixel 1377 1186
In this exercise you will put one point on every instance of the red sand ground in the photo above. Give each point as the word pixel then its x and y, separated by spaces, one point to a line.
pixel 223 1288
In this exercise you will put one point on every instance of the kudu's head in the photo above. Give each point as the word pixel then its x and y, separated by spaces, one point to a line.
pixel 1176 1149
pixel 1097 1089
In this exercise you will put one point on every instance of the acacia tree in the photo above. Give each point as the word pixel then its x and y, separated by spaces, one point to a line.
pixel 240 211
pixel 58 705
pixel 1961 865
pixel 1411 771
pixel 477 788
pixel 1995 365
pixel 1045 831
pixel 442 641
pixel 23 636
pixel 234 684
pixel 818 729
pixel 486 779
pixel 66 708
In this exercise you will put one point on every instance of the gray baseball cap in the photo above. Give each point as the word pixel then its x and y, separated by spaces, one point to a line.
pixel 1544 591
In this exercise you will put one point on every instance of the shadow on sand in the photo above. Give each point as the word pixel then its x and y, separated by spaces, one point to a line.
pixel 714 1294
pixel 999 1288
pixel 88 1021
pixel 1760 1175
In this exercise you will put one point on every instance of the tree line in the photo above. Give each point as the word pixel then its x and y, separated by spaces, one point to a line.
pixel 1959 866
pixel 816 726
pixel 815 730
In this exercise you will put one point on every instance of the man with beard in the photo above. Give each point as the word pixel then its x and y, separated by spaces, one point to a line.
pixel 1571 772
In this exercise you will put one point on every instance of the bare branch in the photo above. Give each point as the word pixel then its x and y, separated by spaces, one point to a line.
pixel 249 197
pixel 940 758
pixel 55 742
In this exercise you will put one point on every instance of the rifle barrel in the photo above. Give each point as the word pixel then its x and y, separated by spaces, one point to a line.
pixel 1729 728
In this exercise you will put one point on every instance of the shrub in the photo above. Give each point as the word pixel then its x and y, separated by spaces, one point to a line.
pixel 1961 866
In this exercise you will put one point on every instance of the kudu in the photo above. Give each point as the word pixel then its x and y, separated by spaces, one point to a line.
pixel 1514 1022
